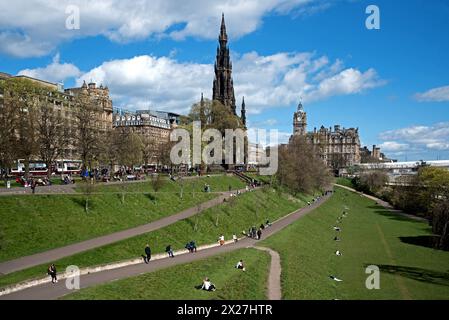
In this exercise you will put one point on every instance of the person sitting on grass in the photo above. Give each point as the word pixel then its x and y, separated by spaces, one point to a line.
pixel 208 285
pixel 240 265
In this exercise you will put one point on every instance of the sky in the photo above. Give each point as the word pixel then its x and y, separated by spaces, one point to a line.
pixel 392 82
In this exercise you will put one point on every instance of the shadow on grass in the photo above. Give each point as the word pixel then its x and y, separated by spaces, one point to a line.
pixel 151 197
pixel 394 216
pixel 81 202
pixel 428 241
pixel 418 274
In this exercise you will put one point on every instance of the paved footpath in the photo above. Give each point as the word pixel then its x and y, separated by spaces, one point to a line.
pixel 54 291
pixel 58 253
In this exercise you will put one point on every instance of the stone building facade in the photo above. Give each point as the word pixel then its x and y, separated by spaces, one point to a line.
pixel 63 102
pixel 337 147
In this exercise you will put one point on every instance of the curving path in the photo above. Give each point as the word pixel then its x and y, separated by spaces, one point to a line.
pixel 50 291
pixel 274 278
pixel 58 253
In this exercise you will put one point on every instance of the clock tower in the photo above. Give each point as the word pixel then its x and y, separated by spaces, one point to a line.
pixel 300 121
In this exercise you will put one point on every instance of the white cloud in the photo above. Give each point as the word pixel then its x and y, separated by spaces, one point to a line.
pixel 266 81
pixel 35 27
pixel 54 72
pixel 417 139
pixel 393 146
pixel 440 94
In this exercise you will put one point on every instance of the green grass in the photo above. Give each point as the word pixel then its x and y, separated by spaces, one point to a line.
pixel 264 179
pixel 217 184
pixel 252 208
pixel 31 224
pixel 179 282
pixel 370 235
pixel 345 182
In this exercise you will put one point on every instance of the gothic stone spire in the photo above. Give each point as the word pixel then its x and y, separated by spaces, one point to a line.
pixel 223 87
pixel 243 117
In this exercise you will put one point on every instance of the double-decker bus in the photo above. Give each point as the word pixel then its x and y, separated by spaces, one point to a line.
pixel 68 167
pixel 37 168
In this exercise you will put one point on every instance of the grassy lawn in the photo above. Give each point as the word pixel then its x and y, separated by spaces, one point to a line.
pixel 345 182
pixel 370 235
pixel 248 209
pixel 189 185
pixel 32 224
pixel 179 282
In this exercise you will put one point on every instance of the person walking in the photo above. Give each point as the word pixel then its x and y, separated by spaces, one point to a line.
pixel 52 273
pixel 221 240
pixel 169 251
pixel 234 237
pixel 147 256
pixel 33 186
pixel 259 234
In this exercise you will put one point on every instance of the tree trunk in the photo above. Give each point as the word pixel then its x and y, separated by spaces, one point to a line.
pixel 27 168
pixel 443 236
pixel 48 164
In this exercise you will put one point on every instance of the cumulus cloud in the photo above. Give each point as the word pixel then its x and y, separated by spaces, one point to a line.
pixel 277 80
pixel 440 94
pixel 392 146
pixel 417 139
pixel 54 72
pixel 29 33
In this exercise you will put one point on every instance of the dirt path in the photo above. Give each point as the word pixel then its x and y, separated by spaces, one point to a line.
pixel 49 291
pixel 274 291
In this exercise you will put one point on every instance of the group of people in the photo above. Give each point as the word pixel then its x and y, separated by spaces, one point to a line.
pixel 68 179
pixel 147 256
pixel 256 233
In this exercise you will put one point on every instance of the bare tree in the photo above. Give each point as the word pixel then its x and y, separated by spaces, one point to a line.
pixel 87 138
pixel 8 137
pixel 128 146
pixel 52 134
pixel 300 168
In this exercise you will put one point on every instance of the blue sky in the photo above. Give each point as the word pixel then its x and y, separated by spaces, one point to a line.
pixel 392 83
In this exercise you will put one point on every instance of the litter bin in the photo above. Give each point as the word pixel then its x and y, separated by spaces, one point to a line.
pixel 8 184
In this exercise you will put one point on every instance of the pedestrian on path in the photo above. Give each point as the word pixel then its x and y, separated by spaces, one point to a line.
pixel 221 240
pixel 33 186
pixel 234 237
pixel 169 251
pixel 52 273
pixel 147 256
pixel 259 234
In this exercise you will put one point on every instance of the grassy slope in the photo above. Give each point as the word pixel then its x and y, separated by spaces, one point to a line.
pixel 345 182
pixel 32 224
pixel 178 282
pixel 370 236
pixel 249 209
